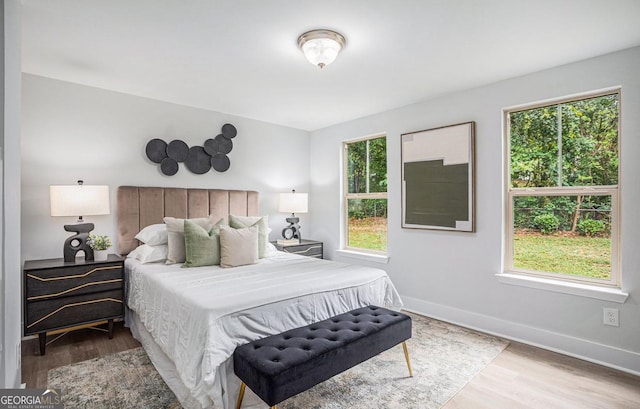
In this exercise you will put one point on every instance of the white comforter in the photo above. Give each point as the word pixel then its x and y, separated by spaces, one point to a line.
pixel 198 316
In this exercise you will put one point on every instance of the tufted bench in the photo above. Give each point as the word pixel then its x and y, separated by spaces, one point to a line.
pixel 283 365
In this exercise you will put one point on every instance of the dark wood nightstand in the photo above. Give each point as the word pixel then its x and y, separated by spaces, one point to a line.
pixel 309 248
pixel 61 297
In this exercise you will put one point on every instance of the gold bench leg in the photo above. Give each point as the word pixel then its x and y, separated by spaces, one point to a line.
pixel 406 356
pixel 240 396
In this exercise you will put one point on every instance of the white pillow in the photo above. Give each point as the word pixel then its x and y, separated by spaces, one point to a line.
pixel 153 235
pixel 149 254
pixel 271 251
pixel 238 247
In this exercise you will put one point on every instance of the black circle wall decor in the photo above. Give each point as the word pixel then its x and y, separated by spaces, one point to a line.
pixel 229 131
pixel 177 150
pixel 225 145
pixel 211 146
pixel 219 144
pixel 220 162
pixel 169 166
pixel 156 150
pixel 198 161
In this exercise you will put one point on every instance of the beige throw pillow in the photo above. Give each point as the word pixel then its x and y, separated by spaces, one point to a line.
pixel 238 247
pixel 175 236
pixel 262 222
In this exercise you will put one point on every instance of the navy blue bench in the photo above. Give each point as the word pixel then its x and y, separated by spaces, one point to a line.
pixel 283 365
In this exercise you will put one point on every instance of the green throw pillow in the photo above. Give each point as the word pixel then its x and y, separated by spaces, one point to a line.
pixel 242 222
pixel 202 247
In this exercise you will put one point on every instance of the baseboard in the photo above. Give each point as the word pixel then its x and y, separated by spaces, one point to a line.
pixel 612 357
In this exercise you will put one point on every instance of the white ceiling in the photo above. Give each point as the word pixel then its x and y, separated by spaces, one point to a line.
pixel 240 56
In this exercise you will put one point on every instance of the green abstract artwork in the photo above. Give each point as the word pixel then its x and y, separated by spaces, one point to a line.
pixel 437 178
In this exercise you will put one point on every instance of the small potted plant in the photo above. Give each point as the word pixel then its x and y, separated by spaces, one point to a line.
pixel 99 244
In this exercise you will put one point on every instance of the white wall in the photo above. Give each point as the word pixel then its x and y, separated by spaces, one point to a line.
pixel 452 275
pixel 73 132
pixel 10 208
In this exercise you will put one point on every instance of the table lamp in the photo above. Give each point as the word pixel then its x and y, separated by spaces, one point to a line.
pixel 78 200
pixel 293 203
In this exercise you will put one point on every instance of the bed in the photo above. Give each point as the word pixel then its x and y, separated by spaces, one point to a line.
pixel 190 320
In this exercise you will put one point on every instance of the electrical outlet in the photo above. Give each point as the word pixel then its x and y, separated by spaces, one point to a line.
pixel 611 317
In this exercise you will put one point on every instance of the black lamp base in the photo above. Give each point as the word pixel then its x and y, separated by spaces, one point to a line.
pixel 78 242
pixel 293 226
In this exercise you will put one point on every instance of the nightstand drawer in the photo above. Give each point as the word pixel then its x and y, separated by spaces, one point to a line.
pixel 62 295
pixel 44 284
pixel 314 250
pixel 69 311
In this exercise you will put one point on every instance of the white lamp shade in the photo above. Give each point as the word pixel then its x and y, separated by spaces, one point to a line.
pixel 293 203
pixel 79 200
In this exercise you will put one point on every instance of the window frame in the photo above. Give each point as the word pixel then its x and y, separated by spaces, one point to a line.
pixel 346 195
pixel 611 190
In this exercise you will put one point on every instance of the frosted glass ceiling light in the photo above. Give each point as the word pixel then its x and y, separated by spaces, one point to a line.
pixel 321 47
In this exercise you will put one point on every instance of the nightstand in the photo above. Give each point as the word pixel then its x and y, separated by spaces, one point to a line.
pixel 309 248
pixel 63 296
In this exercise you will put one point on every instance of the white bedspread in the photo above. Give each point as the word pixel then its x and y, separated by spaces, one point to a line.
pixel 197 316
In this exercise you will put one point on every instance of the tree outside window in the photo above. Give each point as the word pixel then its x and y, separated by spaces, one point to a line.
pixel 366 194
pixel 563 189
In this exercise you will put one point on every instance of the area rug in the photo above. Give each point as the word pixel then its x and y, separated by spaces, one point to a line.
pixel 444 358
pixel 126 379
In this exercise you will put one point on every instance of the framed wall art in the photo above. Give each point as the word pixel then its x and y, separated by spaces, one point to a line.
pixel 438 178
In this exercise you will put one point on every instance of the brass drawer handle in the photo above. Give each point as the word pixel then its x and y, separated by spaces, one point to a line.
pixel 74 276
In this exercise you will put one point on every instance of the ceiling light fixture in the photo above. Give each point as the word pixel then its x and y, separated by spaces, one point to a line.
pixel 321 47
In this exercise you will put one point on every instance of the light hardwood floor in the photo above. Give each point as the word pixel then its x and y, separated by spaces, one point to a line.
pixel 527 377
pixel 520 377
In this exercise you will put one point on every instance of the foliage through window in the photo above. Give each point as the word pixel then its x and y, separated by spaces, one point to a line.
pixel 563 191
pixel 365 194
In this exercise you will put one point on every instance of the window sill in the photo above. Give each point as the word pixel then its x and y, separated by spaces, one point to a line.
pixel 583 290
pixel 376 258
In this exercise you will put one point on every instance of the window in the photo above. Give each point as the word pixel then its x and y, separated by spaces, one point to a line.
pixel 562 194
pixel 365 194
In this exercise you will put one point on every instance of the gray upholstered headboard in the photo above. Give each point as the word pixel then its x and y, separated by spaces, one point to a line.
pixel 139 207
